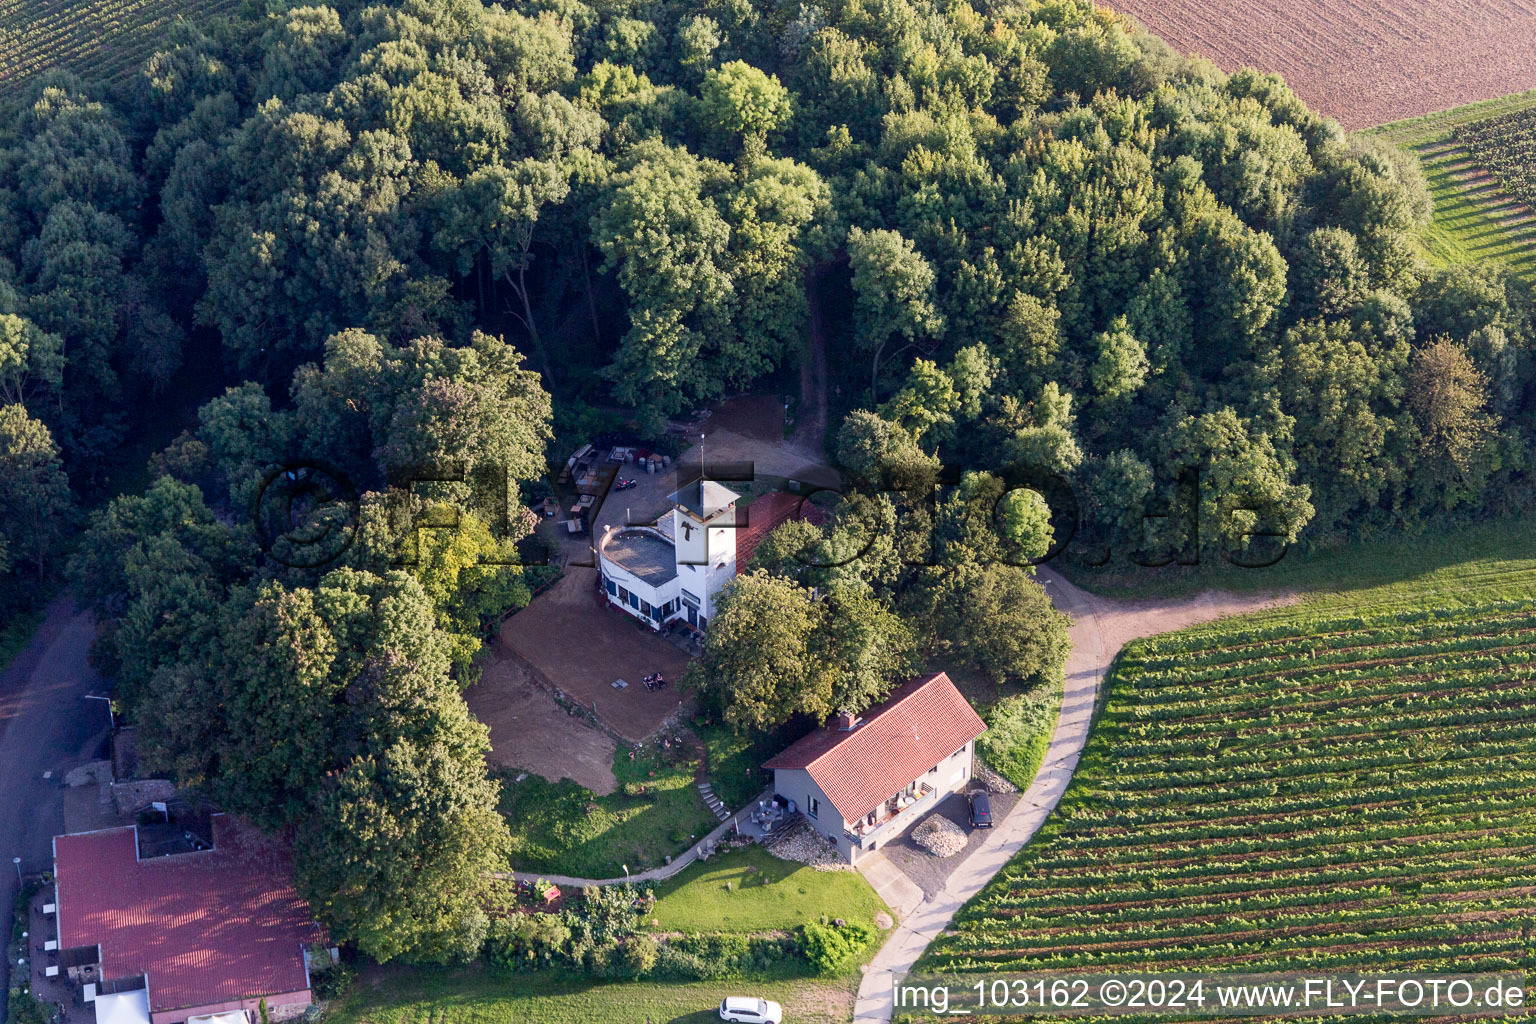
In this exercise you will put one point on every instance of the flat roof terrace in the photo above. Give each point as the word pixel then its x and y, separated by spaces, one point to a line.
pixel 643 552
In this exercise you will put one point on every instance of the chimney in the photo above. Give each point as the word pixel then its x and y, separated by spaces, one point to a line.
pixel 847 721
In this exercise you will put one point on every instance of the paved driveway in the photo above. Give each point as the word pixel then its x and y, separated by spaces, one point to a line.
pixel 45 726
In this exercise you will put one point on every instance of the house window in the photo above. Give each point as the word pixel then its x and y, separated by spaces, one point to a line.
pixel 958 752
pixel 623 595
pixel 812 807
pixel 932 770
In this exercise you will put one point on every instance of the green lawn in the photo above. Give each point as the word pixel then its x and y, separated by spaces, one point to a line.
pixel 750 890
pixel 562 828
pixel 475 996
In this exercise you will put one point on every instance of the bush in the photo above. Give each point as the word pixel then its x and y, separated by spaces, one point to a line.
pixel 674 962
pixel 707 957
pixel 528 940
pixel 27 1010
pixel 600 961
pixel 1018 732
pixel 327 980
pixel 639 955
pixel 830 948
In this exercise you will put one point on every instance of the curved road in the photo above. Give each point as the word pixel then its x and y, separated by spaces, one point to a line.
pixel 1100 627
pixel 1085 669
pixel 45 726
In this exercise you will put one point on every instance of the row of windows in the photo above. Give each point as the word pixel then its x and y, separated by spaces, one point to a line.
pixel 632 599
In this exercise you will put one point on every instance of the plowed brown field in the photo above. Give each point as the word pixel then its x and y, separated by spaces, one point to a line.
pixel 1363 62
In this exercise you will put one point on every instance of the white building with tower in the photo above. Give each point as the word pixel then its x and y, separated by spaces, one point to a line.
pixel 673 569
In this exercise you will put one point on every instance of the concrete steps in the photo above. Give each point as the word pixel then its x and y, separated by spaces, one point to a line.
pixel 713 802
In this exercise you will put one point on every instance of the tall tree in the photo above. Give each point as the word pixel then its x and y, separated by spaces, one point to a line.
pixel 760 662
pixel 893 285
pixel 35 503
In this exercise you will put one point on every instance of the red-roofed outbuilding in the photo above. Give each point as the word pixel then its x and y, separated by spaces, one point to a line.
pixel 863 781
pixel 766 514
pixel 209 931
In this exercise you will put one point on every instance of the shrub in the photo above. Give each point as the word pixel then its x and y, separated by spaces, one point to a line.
pixel 26 1010
pixel 600 961
pixel 527 940
pixel 830 948
pixel 700 957
pixel 640 955
pixel 674 962
pixel 328 980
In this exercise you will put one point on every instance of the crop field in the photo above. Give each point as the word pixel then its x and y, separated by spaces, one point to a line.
pixel 102 39
pixel 1477 216
pixel 1506 146
pixel 1335 786
pixel 1363 62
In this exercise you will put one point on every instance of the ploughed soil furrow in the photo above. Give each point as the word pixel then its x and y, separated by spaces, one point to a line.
pixel 1362 62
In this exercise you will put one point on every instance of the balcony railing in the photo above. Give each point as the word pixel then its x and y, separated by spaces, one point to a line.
pixel 896 818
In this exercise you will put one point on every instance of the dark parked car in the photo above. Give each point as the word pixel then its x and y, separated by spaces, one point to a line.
pixel 981 810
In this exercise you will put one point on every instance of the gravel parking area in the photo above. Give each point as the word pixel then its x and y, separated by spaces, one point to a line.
pixel 928 872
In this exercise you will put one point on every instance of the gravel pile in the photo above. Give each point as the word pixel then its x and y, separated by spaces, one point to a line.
pixel 993 782
pixel 804 845
pixel 939 836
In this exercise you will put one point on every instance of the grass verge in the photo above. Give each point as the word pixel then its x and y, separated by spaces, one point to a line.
pixel 1472 221
pixel 1019 729
pixel 751 890
pixel 1466 555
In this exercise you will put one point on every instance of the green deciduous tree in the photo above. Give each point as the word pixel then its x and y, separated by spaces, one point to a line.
pixel 738 100
pixel 893 287
pixel 760 661
pixel 35 503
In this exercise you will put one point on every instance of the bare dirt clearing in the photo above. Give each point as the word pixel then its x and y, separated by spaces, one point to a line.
pixel 581 646
pixel 1363 62
pixel 531 731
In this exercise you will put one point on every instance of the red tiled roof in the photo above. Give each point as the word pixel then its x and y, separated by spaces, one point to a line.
pixel 767 514
pixel 923 722
pixel 209 927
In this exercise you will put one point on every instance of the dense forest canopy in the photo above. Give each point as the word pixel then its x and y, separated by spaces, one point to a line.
pixel 386 233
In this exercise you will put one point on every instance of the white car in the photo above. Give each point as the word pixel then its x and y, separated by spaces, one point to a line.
pixel 751 1011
